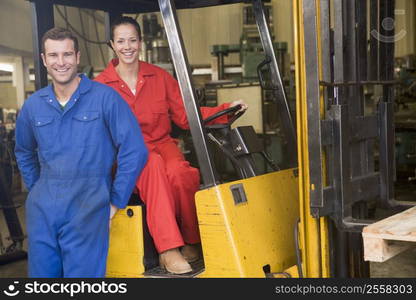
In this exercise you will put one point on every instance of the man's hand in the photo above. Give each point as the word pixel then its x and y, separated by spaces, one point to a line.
pixel 244 106
pixel 113 210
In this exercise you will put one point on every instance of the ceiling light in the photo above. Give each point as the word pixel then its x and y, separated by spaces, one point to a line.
pixel 6 67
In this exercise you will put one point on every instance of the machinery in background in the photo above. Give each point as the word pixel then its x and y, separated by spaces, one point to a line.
pixel 155 44
pixel 9 185
pixel 14 249
pixel 250 49
pixel 253 86
pixel 405 72
pixel 7 158
pixel 405 123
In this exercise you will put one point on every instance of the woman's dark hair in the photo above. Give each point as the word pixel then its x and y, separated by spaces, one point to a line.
pixel 125 20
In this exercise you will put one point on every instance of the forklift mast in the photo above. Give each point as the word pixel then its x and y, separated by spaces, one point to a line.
pixel 347 140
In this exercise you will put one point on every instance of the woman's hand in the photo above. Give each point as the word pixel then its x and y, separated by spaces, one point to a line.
pixel 244 106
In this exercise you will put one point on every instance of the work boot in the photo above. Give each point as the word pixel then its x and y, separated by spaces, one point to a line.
pixel 173 261
pixel 191 252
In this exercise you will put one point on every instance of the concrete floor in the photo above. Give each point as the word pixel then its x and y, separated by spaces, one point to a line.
pixel 400 266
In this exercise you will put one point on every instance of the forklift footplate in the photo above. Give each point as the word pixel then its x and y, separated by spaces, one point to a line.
pixel 158 272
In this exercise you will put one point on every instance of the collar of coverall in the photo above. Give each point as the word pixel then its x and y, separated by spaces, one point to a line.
pixel 84 86
pixel 111 73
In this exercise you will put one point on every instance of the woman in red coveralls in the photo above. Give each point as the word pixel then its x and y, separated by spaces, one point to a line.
pixel 168 183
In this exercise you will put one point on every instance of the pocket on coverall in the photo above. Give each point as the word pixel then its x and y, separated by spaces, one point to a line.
pixel 85 128
pixel 45 133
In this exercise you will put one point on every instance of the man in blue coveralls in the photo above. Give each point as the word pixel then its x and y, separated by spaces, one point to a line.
pixel 68 136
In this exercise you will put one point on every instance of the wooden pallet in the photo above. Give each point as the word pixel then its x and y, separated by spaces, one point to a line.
pixel 389 237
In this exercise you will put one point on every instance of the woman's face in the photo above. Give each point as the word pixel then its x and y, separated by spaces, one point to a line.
pixel 126 43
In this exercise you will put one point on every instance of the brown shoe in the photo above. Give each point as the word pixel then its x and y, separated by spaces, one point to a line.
pixel 191 252
pixel 173 261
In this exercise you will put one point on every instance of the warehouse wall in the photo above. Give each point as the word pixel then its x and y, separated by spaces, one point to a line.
pixel 15 24
pixel 283 23
pixel 19 36
pixel 204 27
pixel 225 27
pixel 8 95
pixel 90 52
pixel 406 22
pixel 201 28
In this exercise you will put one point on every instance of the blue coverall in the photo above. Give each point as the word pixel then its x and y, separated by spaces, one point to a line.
pixel 65 158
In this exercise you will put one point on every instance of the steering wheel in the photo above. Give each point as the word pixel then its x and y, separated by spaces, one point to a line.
pixel 220 114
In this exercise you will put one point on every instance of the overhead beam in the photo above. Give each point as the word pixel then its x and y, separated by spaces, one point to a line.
pixel 137 6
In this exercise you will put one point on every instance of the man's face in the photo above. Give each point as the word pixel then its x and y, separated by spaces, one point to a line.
pixel 61 60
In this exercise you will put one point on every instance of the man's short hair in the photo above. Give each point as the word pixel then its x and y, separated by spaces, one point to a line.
pixel 59 34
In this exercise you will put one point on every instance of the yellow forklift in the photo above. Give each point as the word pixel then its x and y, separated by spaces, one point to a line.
pixel 303 218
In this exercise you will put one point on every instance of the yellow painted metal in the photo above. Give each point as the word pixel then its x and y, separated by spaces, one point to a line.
pixel 300 94
pixel 325 248
pixel 238 240
pixel 292 272
pixel 313 232
pixel 125 256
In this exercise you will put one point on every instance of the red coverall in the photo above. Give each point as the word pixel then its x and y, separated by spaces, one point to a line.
pixel 168 183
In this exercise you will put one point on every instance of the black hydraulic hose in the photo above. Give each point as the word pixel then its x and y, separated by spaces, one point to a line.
pixel 76 31
pixel 98 37
pixel 92 14
pixel 83 32
pixel 66 17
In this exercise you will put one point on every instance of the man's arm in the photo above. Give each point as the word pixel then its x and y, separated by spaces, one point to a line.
pixel 26 149
pixel 132 153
